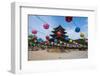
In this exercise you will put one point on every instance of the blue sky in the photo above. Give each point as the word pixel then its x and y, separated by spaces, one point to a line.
pixel 36 22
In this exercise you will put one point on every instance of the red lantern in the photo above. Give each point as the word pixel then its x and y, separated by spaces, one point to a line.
pixel 34 31
pixel 59 34
pixel 46 42
pixel 86 40
pixel 41 43
pixel 34 38
pixel 46 26
pixel 68 18
pixel 47 37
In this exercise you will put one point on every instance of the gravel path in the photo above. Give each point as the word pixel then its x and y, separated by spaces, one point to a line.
pixel 44 55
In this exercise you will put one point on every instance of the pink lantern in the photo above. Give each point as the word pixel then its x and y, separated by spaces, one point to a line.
pixel 46 42
pixel 34 31
pixel 47 37
pixel 41 43
pixel 46 26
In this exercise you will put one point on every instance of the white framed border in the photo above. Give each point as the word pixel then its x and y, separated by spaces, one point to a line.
pixel 18 58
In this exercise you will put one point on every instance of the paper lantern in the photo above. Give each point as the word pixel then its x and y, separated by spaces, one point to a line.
pixel 47 37
pixel 81 34
pixel 55 40
pixel 66 38
pixel 33 44
pixel 60 41
pixel 34 31
pixel 68 18
pixel 52 43
pixel 70 40
pixel 58 44
pixel 59 34
pixel 77 29
pixel 39 40
pixel 64 43
pixel 55 43
pixel 86 40
pixel 35 37
pixel 46 26
pixel 35 40
pixel 47 42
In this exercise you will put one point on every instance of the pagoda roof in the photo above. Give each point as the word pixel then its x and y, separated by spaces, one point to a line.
pixel 59 28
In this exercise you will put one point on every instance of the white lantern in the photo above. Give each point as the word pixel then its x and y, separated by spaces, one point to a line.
pixel 60 41
pixel 65 44
pixel 58 44
pixel 55 44
pixel 52 43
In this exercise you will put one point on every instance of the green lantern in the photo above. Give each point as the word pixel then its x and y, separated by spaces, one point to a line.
pixel 33 44
pixel 70 40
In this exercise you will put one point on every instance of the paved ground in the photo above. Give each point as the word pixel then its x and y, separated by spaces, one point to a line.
pixel 44 55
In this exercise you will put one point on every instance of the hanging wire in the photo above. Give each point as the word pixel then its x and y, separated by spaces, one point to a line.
pixel 43 20
pixel 42 32
pixel 40 19
pixel 46 22
pixel 74 23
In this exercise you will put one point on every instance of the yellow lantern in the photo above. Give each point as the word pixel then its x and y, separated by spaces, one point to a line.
pixel 82 34
pixel 70 40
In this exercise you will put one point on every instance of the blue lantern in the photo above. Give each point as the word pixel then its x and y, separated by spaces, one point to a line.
pixel 77 29
pixel 66 38
pixel 40 40
pixel 55 40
